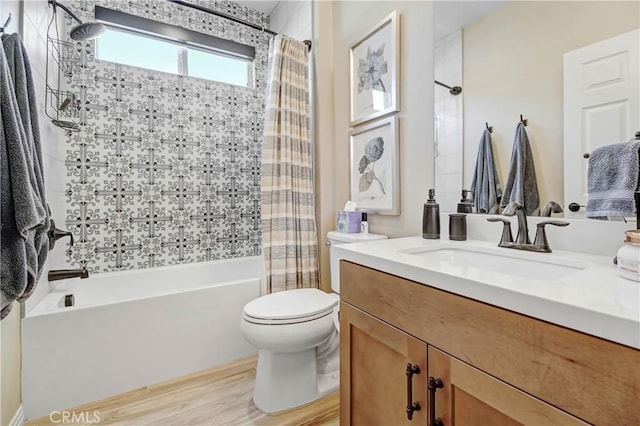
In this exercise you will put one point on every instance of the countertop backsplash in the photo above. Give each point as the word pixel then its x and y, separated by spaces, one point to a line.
pixel 582 235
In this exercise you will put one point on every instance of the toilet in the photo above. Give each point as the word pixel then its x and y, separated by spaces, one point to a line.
pixel 297 336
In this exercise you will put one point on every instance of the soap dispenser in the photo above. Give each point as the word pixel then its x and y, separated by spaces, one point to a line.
pixel 465 205
pixel 431 217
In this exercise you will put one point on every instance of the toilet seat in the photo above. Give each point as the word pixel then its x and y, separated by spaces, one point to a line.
pixel 290 307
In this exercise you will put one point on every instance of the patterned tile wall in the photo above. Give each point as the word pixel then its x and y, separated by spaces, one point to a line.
pixel 165 169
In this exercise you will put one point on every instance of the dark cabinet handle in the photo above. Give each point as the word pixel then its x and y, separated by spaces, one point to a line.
pixel 432 386
pixel 411 404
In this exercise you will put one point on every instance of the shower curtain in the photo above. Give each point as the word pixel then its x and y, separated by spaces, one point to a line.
pixel 287 199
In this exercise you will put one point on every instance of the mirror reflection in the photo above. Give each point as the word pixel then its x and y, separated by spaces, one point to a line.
pixel 509 58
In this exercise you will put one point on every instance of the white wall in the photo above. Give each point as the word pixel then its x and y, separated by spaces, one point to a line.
pixel 37 16
pixel 293 18
pixel 323 128
pixel 448 122
pixel 351 20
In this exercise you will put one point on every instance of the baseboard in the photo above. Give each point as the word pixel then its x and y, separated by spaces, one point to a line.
pixel 18 418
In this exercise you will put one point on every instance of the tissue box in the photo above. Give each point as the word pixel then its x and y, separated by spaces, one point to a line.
pixel 349 222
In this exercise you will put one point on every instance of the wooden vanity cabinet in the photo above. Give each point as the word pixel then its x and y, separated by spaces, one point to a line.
pixel 497 367
pixel 376 358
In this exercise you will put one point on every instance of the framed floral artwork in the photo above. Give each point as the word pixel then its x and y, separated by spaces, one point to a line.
pixel 374 175
pixel 374 65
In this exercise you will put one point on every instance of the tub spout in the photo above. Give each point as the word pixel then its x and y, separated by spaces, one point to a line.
pixel 63 274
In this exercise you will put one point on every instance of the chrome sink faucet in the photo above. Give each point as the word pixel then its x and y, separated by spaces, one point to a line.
pixel 540 244
pixel 515 208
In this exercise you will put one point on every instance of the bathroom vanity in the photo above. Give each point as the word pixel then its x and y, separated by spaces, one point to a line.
pixel 422 345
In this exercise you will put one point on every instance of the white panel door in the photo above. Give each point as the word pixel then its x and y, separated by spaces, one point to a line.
pixel 601 106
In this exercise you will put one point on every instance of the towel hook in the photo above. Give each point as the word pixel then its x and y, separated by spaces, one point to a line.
pixel 489 128
pixel 638 135
pixel 523 120
pixel 6 24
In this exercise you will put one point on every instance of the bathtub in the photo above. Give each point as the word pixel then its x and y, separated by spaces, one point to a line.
pixel 132 329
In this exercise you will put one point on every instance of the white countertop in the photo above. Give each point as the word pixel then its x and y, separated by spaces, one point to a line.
pixel 594 300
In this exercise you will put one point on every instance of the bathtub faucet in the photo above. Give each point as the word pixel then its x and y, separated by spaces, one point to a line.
pixel 63 274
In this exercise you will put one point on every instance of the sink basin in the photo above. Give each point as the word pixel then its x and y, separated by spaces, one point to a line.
pixel 522 267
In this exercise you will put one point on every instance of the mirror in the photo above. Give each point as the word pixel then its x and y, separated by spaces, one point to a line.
pixel 508 58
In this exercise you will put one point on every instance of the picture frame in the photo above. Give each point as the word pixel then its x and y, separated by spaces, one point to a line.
pixel 374 69
pixel 374 167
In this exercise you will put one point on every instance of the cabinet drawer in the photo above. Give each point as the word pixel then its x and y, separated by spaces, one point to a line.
pixel 594 379
pixel 470 397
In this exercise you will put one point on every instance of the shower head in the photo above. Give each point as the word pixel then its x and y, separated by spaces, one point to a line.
pixel 87 31
pixel 84 30
pixel 455 90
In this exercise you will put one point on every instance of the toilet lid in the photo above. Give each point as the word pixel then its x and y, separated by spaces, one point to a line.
pixel 291 304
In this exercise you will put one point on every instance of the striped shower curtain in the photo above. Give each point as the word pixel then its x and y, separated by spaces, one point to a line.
pixel 287 200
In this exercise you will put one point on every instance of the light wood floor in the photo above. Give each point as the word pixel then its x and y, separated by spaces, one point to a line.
pixel 218 397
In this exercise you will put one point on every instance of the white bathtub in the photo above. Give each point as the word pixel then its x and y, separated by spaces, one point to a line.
pixel 131 329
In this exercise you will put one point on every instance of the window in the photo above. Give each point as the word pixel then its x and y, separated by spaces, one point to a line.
pixel 167 48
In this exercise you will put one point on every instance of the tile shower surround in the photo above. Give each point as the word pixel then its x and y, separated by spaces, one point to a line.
pixel 165 169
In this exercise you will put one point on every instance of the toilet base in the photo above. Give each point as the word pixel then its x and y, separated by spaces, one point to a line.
pixel 288 380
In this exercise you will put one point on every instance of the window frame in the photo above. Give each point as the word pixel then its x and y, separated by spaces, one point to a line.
pixel 183 38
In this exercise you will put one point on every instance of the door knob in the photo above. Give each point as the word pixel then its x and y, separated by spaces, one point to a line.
pixel 574 207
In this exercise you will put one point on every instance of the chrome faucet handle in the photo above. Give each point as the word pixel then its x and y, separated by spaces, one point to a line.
pixel 55 234
pixel 507 237
pixel 541 244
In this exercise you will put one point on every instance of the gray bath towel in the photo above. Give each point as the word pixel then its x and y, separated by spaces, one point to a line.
pixel 21 75
pixel 521 185
pixel 486 183
pixel 612 179
pixel 21 208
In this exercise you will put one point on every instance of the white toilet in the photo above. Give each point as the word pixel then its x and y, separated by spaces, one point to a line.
pixel 296 332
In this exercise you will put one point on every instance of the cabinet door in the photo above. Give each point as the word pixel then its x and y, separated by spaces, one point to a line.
pixel 374 384
pixel 471 397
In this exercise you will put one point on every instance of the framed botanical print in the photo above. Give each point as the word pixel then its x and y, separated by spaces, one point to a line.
pixel 374 61
pixel 374 174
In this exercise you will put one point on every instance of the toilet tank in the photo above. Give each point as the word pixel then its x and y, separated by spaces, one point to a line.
pixel 335 238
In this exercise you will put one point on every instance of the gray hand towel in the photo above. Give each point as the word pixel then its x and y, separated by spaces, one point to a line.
pixel 23 86
pixel 21 208
pixel 521 185
pixel 612 179
pixel 486 183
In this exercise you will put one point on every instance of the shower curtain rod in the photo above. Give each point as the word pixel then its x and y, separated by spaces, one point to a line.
pixel 231 18
pixel 455 90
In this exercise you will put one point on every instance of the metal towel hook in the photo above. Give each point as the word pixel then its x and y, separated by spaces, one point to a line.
pixel 489 128
pixel 6 24
pixel 523 120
